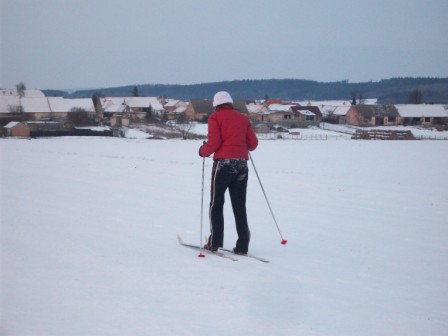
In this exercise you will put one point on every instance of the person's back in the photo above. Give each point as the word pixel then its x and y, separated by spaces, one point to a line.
pixel 230 134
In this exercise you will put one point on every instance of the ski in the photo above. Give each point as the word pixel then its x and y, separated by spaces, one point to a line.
pixel 246 255
pixel 243 255
pixel 196 247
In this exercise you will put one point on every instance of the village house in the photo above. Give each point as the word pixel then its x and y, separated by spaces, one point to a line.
pixel 11 108
pixel 34 106
pixel 200 109
pixel 287 115
pixel 173 105
pixel 139 106
pixel 56 108
pixel 422 114
pixel 335 111
pixel 256 108
pixel 278 113
pixel 338 115
pixel 307 113
pixel 121 111
pixel 174 108
pixel 16 129
pixel 373 115
pixel 61 108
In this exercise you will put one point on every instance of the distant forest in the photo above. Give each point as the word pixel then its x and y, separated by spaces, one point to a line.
pixel 387 91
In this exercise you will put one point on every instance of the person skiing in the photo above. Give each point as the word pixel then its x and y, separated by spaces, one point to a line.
pixel 230 137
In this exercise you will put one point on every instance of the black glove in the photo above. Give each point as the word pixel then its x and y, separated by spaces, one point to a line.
pixel 200 149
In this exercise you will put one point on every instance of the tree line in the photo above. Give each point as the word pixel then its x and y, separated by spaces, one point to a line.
pixel 387 91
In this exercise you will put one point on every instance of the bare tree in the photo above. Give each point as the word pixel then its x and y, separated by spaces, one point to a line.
pixel 184 126
pixel 415 97
pixel 78 116
pixel 21 88
pixel 15 109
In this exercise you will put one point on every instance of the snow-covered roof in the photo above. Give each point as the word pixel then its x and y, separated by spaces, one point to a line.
pixel 341 110
pixel 279 107
pixel 44 104
pixel 180 109
pixel 140 102
pixel 322 103
pixel 172 102
pixel 94 128
pixel 66 105
pixel 306 112
pixel 421 110
pixel 335 103
pixel 256 108
pixel 155 104
pixel 6 102
pixel 11 124
pixel 114 108
pixel 31 105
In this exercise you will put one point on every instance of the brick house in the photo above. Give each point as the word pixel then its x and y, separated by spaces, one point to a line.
pixel 289 115
pixel 17 129
pixel 174 108
pixel 373 115
pixel 316 114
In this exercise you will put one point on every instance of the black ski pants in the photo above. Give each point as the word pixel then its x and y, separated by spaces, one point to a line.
pixel 229 174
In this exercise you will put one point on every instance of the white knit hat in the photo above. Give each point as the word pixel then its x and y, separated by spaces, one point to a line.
pixel 222 97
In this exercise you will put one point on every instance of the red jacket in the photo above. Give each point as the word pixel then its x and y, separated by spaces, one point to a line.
pixel 230 135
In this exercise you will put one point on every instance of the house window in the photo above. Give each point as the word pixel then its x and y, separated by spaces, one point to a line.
pixel 391 119
pixel 427 119
pixel 310 118
pixel 287 116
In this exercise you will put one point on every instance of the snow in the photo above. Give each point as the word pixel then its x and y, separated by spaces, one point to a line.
pixel 32 105
pixel 306 112
pixel 11 124
pixel 135 134
pixel 418 131
pixel 422 110
pixel 89 245
pixel 58 104
pixel 279 108
pixel 7 102
pixel 94 128
pixel 141 102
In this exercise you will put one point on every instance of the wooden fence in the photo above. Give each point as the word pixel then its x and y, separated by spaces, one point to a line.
pixel 383 135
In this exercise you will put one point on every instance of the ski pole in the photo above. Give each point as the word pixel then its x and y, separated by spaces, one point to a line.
pixel 284 241
pixel 202 255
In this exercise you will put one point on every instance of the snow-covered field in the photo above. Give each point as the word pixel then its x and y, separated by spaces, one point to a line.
pixel 88 240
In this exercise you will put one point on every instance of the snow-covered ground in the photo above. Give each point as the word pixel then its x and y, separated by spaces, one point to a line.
pixel 88 240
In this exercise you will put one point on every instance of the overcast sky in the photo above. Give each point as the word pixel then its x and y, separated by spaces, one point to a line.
pixel 65 44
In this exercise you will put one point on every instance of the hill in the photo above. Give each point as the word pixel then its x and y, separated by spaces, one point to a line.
pixel 394 90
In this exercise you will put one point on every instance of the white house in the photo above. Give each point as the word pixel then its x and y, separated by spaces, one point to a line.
pixel 135 104
pixel 422 113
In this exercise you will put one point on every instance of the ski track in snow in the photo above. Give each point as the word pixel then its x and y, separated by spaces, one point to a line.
pixel 88 240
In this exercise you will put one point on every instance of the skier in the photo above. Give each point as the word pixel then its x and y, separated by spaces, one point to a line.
pixel 230 137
